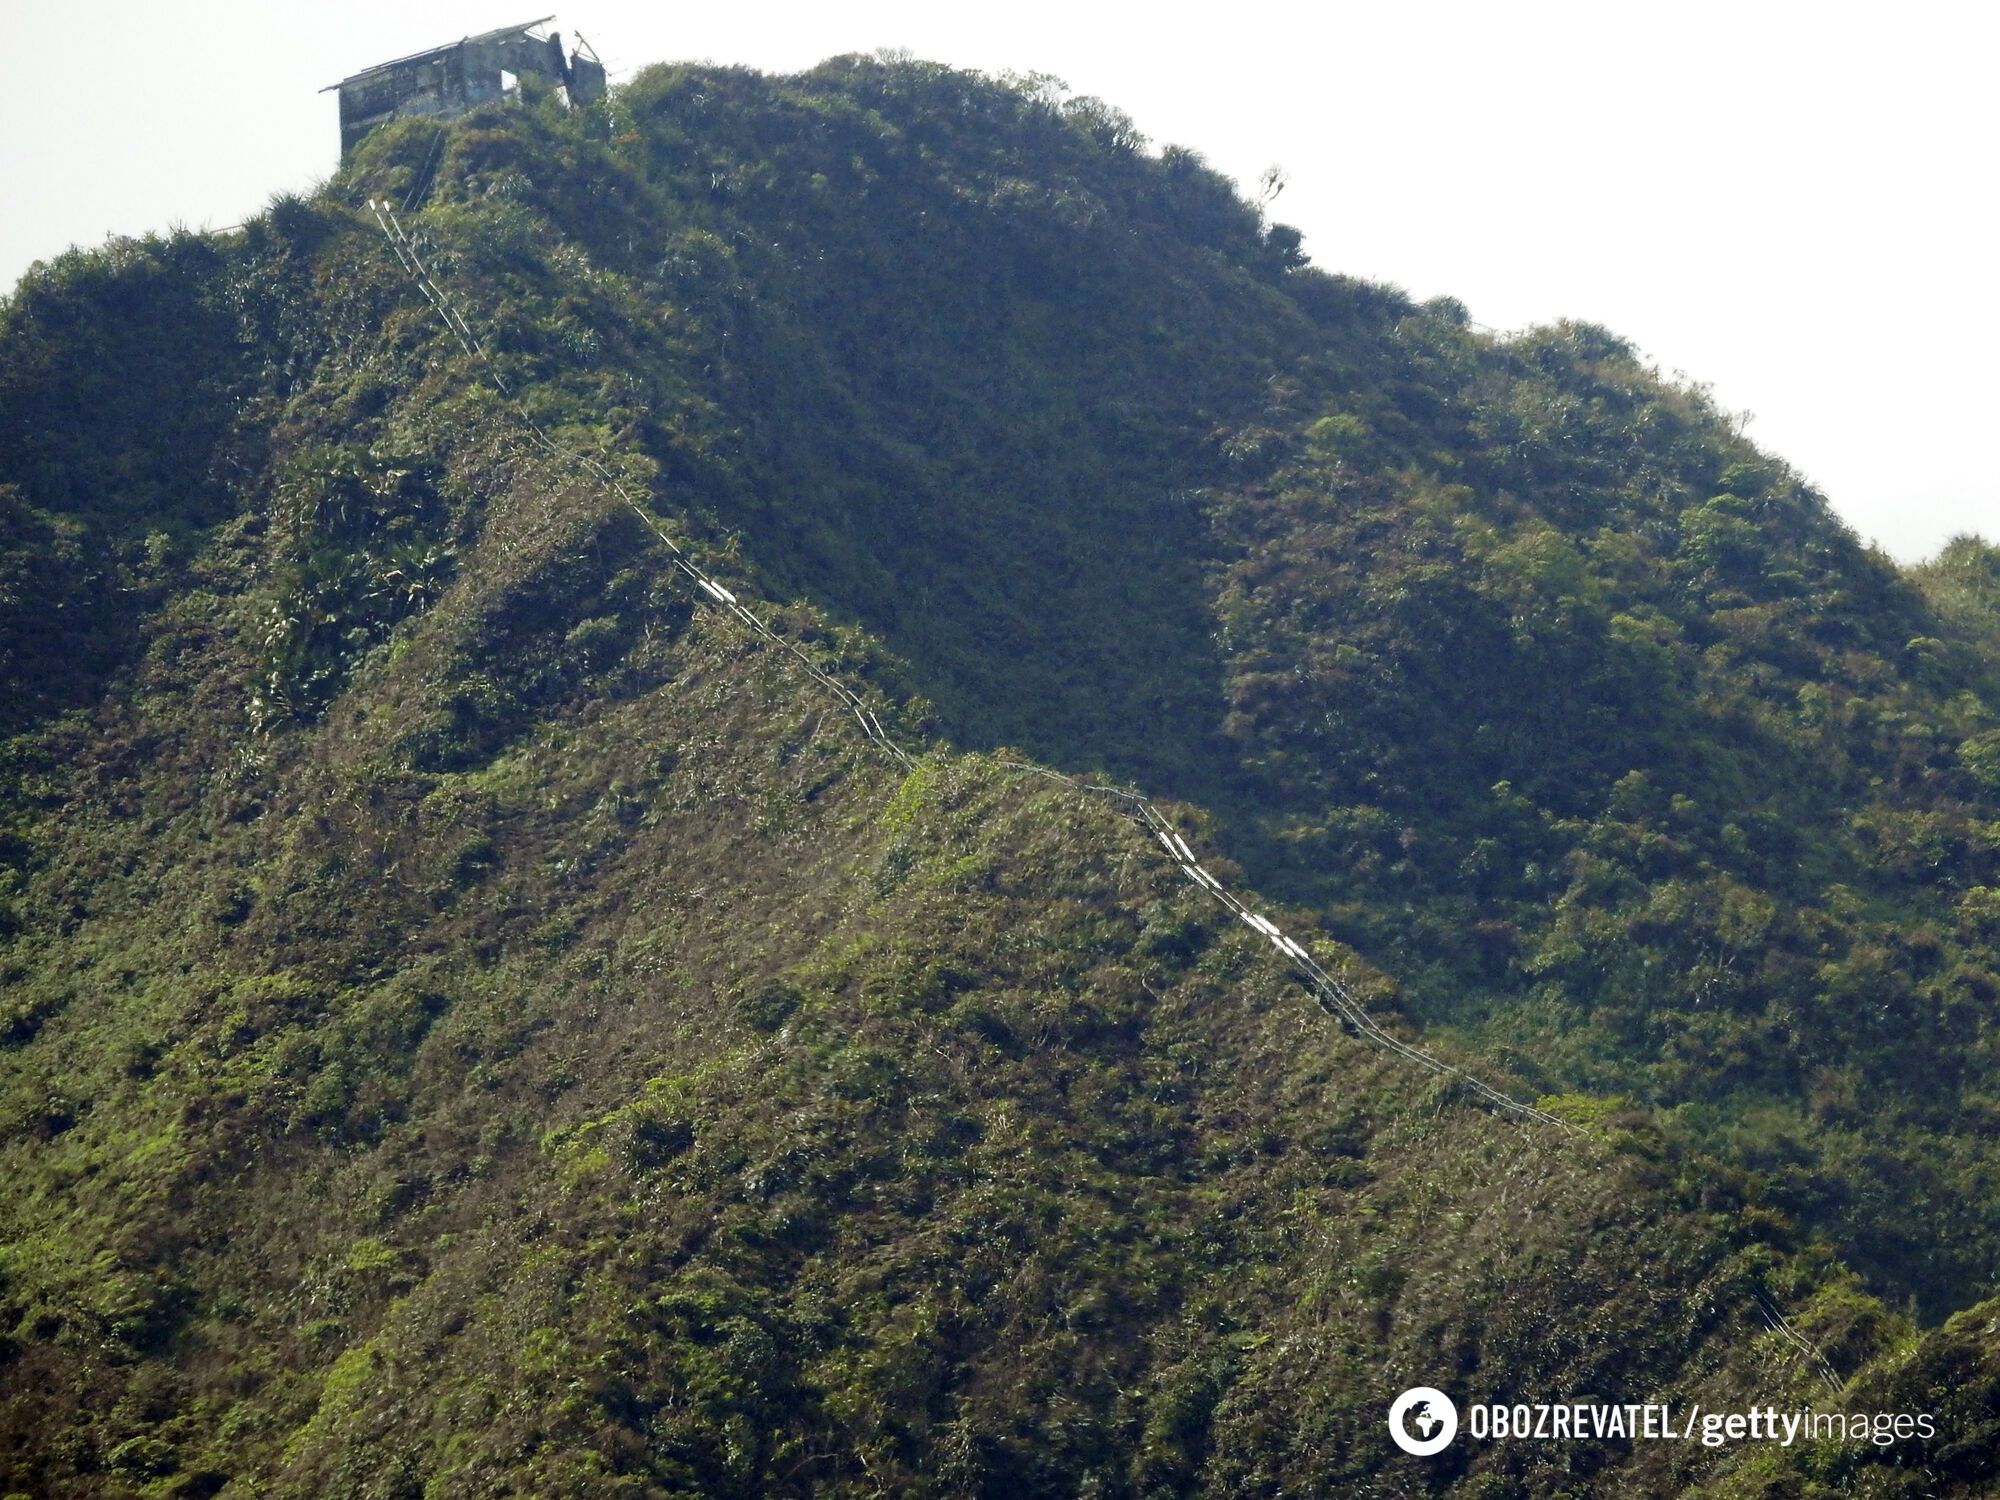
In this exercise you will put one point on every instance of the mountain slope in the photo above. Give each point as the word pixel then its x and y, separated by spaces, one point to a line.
pixel 476 1020
pixel 842 1124
pixel 1333 552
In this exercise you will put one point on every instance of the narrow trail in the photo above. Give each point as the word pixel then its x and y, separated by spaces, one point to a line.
pixel 1331 996
pixel 1334 998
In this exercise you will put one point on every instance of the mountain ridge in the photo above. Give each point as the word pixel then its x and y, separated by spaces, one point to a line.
pixel 425 631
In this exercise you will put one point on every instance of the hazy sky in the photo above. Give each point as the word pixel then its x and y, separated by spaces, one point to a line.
pixel 1793 203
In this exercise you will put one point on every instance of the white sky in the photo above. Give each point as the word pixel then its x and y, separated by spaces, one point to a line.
pixel 1792 202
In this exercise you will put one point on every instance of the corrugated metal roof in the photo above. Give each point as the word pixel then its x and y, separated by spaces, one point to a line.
pixel 397 62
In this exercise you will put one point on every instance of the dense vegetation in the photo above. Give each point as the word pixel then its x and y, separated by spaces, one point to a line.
pixel 474 1024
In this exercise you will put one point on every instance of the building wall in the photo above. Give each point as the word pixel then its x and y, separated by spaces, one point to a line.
pixel 452 80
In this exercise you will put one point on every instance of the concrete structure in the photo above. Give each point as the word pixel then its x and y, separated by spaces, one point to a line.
pixel 447 81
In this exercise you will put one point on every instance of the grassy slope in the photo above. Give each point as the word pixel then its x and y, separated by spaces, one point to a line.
pixel 473 1020
pixel 667 1091
pixel 1514 662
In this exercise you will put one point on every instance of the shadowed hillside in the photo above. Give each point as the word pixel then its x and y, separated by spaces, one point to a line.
pixel 478 1022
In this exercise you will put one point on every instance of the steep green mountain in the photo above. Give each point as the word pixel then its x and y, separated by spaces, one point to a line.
pixel 476 1021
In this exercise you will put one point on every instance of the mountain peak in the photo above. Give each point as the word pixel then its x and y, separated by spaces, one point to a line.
pixel 485 1012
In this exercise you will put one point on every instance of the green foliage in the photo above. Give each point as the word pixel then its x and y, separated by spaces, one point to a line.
pixel 361 551
pixel 554 1056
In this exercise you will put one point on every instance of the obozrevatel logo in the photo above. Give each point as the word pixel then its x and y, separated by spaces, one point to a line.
pixel 1422 1420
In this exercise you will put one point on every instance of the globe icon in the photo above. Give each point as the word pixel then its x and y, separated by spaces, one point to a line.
pixel 1423 1420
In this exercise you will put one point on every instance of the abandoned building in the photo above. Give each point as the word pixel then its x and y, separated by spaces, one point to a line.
pixel 447 81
